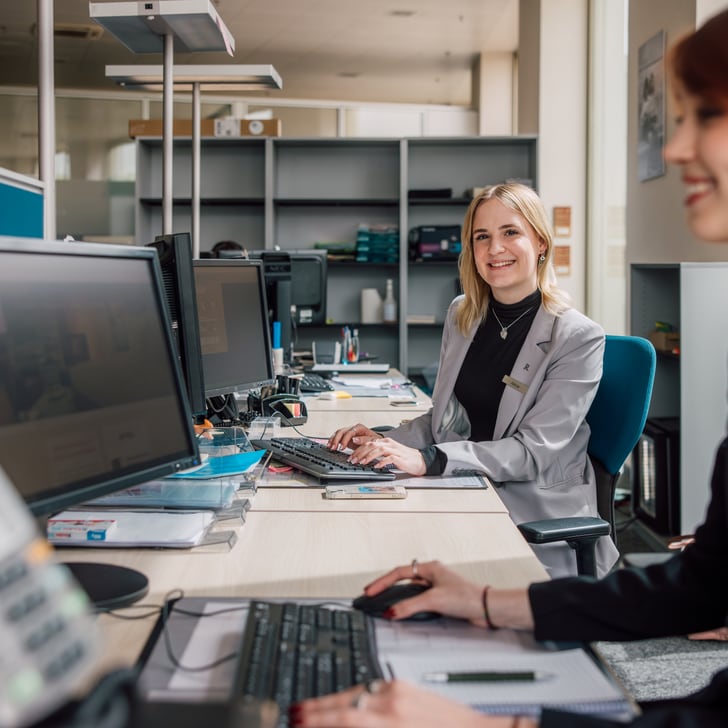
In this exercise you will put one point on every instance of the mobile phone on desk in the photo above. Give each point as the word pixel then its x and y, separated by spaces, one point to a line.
pixel 335 492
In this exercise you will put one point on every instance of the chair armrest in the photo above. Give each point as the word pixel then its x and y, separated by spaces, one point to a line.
pixel 580 532
pixel 564 529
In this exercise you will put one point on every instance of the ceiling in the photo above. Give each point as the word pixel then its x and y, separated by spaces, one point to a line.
pixel 399 51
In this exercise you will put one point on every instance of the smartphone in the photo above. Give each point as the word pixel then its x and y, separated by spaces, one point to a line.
pixel 365 491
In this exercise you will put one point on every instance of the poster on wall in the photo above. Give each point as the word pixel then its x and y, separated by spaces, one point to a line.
pixel 651 107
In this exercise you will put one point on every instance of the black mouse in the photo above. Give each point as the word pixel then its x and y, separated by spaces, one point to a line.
pixel 377 605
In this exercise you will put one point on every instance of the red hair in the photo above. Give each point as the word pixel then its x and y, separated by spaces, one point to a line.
pixel 700 60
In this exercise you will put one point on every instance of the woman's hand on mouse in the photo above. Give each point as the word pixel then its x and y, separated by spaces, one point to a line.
pixel 352 436
pixel 449 593
pixel 395 704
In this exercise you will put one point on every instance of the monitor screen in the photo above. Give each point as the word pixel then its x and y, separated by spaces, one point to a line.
pixel 91 396
pixel 233 314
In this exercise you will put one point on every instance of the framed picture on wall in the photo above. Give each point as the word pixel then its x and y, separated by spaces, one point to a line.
pixel 651 107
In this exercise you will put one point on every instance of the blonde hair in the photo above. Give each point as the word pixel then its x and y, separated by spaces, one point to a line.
pixel 525 202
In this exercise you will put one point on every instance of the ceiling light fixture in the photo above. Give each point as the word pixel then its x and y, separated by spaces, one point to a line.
pixel 213 78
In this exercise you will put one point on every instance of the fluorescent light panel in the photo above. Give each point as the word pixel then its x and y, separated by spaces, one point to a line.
pixel 212 77
pixel 141 26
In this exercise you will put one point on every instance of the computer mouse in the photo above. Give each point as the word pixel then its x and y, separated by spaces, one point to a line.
pixel 377 605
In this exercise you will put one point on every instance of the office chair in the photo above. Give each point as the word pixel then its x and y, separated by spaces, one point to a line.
pixel 616 418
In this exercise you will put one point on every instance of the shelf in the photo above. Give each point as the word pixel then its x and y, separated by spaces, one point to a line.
pixel 351 264
pixel 444 201
pixel 293 193
pixel 336 202
pixel 211 201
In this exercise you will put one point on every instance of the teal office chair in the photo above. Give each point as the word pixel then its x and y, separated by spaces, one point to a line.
pixel 616 418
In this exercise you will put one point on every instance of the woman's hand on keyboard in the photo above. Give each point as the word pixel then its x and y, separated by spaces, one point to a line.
pixel 385 451
pixel 395 704
pixel 351 437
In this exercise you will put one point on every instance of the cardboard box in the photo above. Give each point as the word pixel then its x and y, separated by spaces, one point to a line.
pixel 219 128
pixel 665 340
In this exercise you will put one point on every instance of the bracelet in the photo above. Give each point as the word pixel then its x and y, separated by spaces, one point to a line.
pixel 486 614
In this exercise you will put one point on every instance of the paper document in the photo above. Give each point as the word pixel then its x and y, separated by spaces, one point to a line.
pixel 573 680
pixel 237 464
pixel 171 529
pixel 174 493
pixel 439 481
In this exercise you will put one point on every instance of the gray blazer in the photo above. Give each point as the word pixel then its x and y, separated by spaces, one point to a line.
pixel 538 456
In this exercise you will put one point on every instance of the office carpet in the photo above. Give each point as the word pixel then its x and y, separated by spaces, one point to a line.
pixel 668 667
pixel 664 668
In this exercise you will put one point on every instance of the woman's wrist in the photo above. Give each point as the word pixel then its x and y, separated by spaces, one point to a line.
pixel 486 612
pixel 507 608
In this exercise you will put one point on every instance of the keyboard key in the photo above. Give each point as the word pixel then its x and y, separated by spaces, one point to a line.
pixel 290 652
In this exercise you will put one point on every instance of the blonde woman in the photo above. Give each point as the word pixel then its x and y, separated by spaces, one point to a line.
pixel 519 368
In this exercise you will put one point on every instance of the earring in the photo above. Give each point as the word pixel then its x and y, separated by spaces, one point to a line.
pixel 541 258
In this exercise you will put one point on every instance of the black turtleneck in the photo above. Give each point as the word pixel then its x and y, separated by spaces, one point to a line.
pixel 479 386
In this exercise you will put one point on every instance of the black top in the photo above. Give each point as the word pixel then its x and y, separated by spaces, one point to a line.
pixel 479 386
pixel 688 593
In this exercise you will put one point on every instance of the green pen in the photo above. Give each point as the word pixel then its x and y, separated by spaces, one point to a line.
pixel 500 676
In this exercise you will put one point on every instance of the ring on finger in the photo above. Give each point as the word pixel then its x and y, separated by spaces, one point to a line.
pixel 415 570
pixel 375 686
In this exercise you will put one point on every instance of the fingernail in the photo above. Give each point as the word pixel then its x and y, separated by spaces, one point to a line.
pixel 389 613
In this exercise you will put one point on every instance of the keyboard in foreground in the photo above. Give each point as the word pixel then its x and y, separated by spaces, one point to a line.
pixel 316 459
pixel 293 651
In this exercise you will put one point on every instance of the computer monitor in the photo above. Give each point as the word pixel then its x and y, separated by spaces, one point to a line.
pixel 91 395
pixel 296 289
pixel 232 310
pixel 175 259
pixel 308 286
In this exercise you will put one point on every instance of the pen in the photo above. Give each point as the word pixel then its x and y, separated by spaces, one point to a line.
pixel 506 676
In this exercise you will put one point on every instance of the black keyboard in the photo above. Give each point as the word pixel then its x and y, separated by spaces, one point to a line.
pixel 315 383
pixel 295 651
pixel 316 459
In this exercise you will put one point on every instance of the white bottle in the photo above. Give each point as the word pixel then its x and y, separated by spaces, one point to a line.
pixel 389 309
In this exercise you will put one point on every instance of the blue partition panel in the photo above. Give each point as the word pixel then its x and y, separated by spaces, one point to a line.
pixel 21 212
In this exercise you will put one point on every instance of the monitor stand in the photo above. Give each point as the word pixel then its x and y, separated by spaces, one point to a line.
pixel 109 586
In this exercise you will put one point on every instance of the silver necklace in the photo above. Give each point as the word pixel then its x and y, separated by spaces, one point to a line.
pixel 504 329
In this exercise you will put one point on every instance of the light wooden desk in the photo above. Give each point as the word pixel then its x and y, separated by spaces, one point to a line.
pixel 316 554
pixel 294 544
pixel 465 500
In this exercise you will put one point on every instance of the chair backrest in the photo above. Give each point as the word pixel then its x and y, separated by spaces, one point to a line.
pixel 619 410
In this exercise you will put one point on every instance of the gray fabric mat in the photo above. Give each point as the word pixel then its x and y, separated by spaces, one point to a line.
pixel 664 668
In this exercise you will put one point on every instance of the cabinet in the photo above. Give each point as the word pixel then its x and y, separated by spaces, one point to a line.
pixel 293 193
pixel 692 385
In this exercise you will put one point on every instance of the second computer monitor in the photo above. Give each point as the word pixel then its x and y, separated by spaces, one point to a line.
pixel 233 316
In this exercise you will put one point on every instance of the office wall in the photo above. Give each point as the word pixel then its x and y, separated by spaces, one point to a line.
pixel 656 229
pixel 552 70
pixel 493 88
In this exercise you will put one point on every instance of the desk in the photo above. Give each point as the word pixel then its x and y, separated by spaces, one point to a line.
pixel 315 554
pixel 327 415
pixel 295 544
pixel 305 500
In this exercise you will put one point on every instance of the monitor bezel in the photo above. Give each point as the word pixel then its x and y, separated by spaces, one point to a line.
pixel 242 387
pixel 63 497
